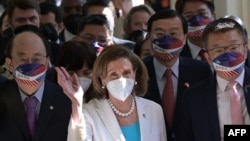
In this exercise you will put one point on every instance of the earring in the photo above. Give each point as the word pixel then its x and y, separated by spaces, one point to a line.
pixel 103 87
pixel 135 82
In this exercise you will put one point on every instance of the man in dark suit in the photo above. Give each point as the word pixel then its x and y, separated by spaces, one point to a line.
pixel 211 104
pixel 167 30
pixel 32 109
pixel 198 14
pixel 106 8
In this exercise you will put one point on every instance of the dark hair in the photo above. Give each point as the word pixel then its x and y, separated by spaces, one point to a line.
pixel 26 28
pixel 112 53
pixel 74 54
pixel 95 19
pixel 22 4
pixel 47 7
pixel 179 5
pixel 216 26
pixel 103 3
pixel 166 14
pixel 66 9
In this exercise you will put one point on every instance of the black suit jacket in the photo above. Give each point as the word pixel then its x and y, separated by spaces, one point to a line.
pixel 199 120
pixel 53 120
pixel 190 71
pixel 186 51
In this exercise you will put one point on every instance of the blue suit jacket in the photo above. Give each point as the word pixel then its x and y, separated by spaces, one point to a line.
pixel 199 118
pixel 190 71
pixel 53 120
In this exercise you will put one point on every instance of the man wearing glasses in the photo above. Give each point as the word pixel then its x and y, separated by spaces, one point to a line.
pixel 31 108
pixel 225 98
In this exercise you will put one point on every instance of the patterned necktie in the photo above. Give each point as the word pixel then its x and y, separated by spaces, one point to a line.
pixel 31 103
pixel 168 98
pixel 235 104
pixel 202 55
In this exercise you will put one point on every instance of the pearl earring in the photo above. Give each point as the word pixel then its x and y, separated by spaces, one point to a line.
pixel 135 82
pixel 103 87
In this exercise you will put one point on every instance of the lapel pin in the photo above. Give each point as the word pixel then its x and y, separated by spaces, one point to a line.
pixel 51 107
pixel 187 84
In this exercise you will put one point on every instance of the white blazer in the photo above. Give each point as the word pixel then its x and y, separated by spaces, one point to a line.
pixel 100 123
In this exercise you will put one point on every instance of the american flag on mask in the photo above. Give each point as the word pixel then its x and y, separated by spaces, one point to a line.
pixel 167 47
pixel 228 70
pixel 30 77
pixel 166 54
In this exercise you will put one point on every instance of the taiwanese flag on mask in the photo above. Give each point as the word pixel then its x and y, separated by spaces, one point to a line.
pixel 229 64
pixel 167 47
pixel 196 25
pixel 30 74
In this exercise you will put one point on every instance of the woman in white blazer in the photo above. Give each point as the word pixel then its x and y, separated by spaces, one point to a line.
pixel 117 112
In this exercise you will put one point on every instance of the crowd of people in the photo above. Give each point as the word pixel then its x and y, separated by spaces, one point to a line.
pixel 113 70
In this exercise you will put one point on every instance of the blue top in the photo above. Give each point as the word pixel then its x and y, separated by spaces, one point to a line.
pixel 132 132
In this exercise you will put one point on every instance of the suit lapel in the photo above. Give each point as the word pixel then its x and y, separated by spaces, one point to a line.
pixel 107 116
pixel 17 111
pixel 46 110
pixel 153 90
pixel 246 88
pixel 211 102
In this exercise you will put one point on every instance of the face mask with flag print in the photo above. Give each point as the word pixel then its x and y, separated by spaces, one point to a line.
pixel 167 47
pixel 98 47
pixel 30 74
pixel 229 64
pixel 196 26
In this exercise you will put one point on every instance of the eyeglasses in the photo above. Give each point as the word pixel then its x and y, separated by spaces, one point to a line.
pixel 230 48
pixel 36 59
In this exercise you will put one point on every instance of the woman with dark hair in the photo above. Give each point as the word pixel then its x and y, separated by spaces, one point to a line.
pixel 77 57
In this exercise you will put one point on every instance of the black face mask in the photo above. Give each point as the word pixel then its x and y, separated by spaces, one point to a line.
pixel 49 31
pixel 72 23
pixel 137 35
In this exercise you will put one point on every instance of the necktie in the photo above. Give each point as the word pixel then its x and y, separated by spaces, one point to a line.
pixel 202 55
pixel 31 103
pixel 168 98
pixel 235 104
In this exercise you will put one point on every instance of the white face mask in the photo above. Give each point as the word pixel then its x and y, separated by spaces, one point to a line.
pixel 84 82
pixel 121 88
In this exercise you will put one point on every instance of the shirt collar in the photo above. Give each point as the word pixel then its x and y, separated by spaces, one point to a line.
pixel 68 36
pixel 160 69
pixel 222 83
pixel 194 49
pixel 38 94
